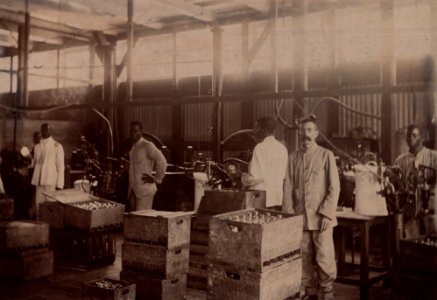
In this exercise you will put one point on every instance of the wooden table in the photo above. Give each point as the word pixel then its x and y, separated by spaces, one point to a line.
pixel 354 221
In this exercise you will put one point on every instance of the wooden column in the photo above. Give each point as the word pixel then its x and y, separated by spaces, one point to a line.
pixel 22 95
pixel 388 80
pixel 433 5
pixel 130 45
pixel 217 91
pixel 333 84
pixel 177 112
pixel 273 46
pixel 109 84
pixel 300 80
pixel 247 107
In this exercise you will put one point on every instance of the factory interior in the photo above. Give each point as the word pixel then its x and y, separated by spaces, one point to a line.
pixel 218 149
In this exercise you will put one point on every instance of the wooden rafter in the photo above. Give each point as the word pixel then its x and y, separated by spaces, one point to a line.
pixel 258 5
pixel 189 9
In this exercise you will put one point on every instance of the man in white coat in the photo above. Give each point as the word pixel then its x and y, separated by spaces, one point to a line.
pixel 268 164
pixel 144 158
pixel 48 164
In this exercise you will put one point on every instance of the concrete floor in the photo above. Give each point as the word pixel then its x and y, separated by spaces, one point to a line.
pixel 66 284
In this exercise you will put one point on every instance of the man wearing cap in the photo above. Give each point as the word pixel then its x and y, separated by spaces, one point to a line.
pixel 311 189
pixel 269 160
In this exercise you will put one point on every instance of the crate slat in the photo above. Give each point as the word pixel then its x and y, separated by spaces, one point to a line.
pixel 168 229
pixel 233 283
pixel 257 247
pixel 152 288
pixel 19 235
pixel 155 260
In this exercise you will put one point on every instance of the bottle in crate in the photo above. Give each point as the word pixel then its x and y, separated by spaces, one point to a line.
pixel 255 239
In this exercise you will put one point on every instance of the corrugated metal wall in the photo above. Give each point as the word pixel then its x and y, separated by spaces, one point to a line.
pixel 156 119
pixel 403 111
pixel 348 120
pixel 198 122
pixel 231 118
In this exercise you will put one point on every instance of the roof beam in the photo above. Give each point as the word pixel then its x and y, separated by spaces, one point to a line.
pixel 258 5
pixel 189 9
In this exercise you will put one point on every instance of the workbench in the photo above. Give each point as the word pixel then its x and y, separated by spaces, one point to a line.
pixel 352 221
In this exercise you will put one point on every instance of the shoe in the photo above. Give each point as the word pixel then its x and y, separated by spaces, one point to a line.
pixel 310 297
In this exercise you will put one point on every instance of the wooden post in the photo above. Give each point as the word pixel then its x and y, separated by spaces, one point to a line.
pixel 388 80
pixel 217 91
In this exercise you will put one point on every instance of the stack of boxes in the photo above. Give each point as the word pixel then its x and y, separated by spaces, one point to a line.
pixel 24 250
pixel 82 228
pixel 214 202
pixel 254 254
pixel 155 253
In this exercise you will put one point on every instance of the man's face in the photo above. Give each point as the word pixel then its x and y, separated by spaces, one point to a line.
pixel 259 135
pixel 414 139
pixel 46 131
pixel 135 133
pixel 308 133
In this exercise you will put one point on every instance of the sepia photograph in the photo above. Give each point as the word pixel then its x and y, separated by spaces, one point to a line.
pixel 218 149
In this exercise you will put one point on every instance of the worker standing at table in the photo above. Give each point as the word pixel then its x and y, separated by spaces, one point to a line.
pixel 409 162
pixel 266 170
pixel 311 189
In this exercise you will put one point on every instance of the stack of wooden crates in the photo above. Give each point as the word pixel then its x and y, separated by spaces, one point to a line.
pixel 255 254
pixel 155 253
pixel 24 250
pixel 82 228
pixel 215 202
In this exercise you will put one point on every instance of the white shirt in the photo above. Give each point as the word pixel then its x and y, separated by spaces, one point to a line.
pixel 267 169
pixel 48 163
pixel 2 188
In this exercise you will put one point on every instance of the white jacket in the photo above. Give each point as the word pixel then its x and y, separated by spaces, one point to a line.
pixel 48 163
pixel 267 169
pixel 144 158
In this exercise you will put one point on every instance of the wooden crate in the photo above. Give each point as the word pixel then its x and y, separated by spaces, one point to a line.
pixel 233 283
pixel 19 235
pixel 155 260
pixel 84 250
pixel 122 291
pixel 163 228
pixel 197 272
pixel 93 220
pixel 257 247
pixel 27 264
pixel 417 257
pixel 152 288
pixel 216 202
pixel 6 209
pixel 52 212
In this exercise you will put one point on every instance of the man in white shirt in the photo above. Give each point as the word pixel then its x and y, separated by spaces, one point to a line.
pixel 409 162
pixel 48 164
pixel 144 158
pixel 268 164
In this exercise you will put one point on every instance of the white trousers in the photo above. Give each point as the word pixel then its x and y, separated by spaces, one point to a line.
pixel 318 256
pixel 40 198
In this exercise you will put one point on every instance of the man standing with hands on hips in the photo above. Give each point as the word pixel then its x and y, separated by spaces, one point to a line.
pixel 144 158
pixel 311 189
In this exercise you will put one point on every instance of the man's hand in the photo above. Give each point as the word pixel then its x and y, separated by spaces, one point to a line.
pixel 324 223
pixel 146 178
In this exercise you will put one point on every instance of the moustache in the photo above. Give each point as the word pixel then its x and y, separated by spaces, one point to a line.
pixel 306 138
